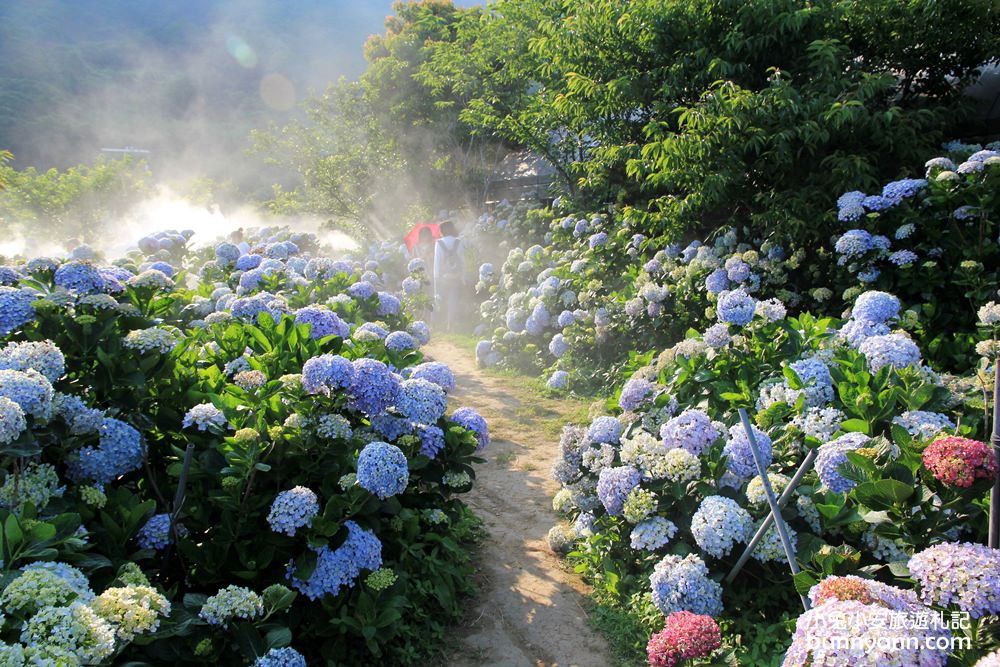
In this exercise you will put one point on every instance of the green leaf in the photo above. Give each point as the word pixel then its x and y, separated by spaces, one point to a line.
pixel 882 494
pixel 856 426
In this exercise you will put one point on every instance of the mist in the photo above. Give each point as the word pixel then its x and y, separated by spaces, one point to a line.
pixel 184 80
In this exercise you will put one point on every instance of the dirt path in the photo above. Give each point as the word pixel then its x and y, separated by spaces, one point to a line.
pixel 530 610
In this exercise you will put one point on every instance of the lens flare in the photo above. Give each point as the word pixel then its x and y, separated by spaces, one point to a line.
pixel 241 51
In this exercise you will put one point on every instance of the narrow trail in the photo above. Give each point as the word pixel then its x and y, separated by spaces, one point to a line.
pixel 530 611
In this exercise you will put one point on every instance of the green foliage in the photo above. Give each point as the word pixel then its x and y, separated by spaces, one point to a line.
pixel 80 201
pixel 380 152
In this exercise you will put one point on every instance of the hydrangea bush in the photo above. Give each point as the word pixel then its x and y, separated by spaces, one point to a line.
pixel 240 447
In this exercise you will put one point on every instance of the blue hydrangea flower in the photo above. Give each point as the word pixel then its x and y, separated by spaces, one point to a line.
pixel 388 304
pixel 249 308
pixel 420 331
pixel 323 322
pixel 598 239
pixel 436 372
pixel 558 380
pixel 12 421
pixel 431 440
pixel 382 469
pixel 683 584
pixel 248 262
pixel 370 329
pixel 717 281
pixel 816 377
pixel 81 277
pixel 334 427
pixel 856 332
pixel 470 419
pixel 896 350
pixel 558 346
pixel 205 416
pixel 719 524
pixel 400 341
pixel 44 357
pixel 325 373
pixel 15 309
pixel 832 455
pixel 717 336
pixel 897 191
pixel 651 534
pixel 362 291
pixel 614 485
pixel 155 534
pixel 737 270
pixel 854 243
pixel 875 306
pixel 635 392
pixel 119 452
pixel 31 390
pixel 739 456
pixel 691 430
pixel 281 657
pixel 293 509
pixel 373 388
pixel 605 430
pixel 334 569
pixel 922 424
pixel 566 318
pixel 736 307
pixel 421 401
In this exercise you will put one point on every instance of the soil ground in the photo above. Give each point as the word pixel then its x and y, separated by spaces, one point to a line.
pixel 530 611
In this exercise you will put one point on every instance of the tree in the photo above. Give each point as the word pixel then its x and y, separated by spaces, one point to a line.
pixel 79 202
pixel 391 146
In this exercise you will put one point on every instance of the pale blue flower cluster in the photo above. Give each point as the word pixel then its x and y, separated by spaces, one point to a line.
pixel 558 380
pixel 421 401
pixel 923 425
pixel 739 456
pixel 691 430
pixel 683 584
pixel 374 387
pixel 281 657
pixel 336 568
pixel 293 509
pixel 322 322
pixel 333 427
pixel 326 373
pixel 155 534
pixel 431 440
pixel 232 602
pixel 29 389
pixel 816 377
pixel 896 350
pixel 832 455
pixel 80 277
pixel 605 430
pixel 382 469
pixel 963 575
pixel 736 307
pixel 719 524
pixel 400 341
pixel 15 309
pixel 44 357
pixel 205 416
pixel 636 392
pixel 614 485
pixel 470 419
pixel 651 534
pixel 119 452
pixel 435 371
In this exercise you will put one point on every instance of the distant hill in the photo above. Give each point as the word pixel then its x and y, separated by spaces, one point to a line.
pixel 184 79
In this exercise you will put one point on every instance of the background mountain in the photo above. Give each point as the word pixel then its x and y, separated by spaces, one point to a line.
pixel 185 79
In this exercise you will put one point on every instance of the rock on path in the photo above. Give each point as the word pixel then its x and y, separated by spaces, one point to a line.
pixel 529 612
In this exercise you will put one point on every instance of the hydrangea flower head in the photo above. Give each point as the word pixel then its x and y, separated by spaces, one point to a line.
pixel 232 602
pixel 382 469
pixel 719 524
pixel 875 306
pixel 205 416
pixel 614 486
pixel 895 350
pixel 293 509
pixel 736 307
pixel 15 309
pixel 691 430
pixel 683 584
pixel 685 636
pixel 832 455
pixel 326 373
pixel 605 430
pixel 470 419
pixel 960 462
pixel 336 568
pixel 739 457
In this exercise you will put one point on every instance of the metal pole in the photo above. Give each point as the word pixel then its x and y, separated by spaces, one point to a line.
pixel 994 541
pixel 807 463
pixel 779 522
